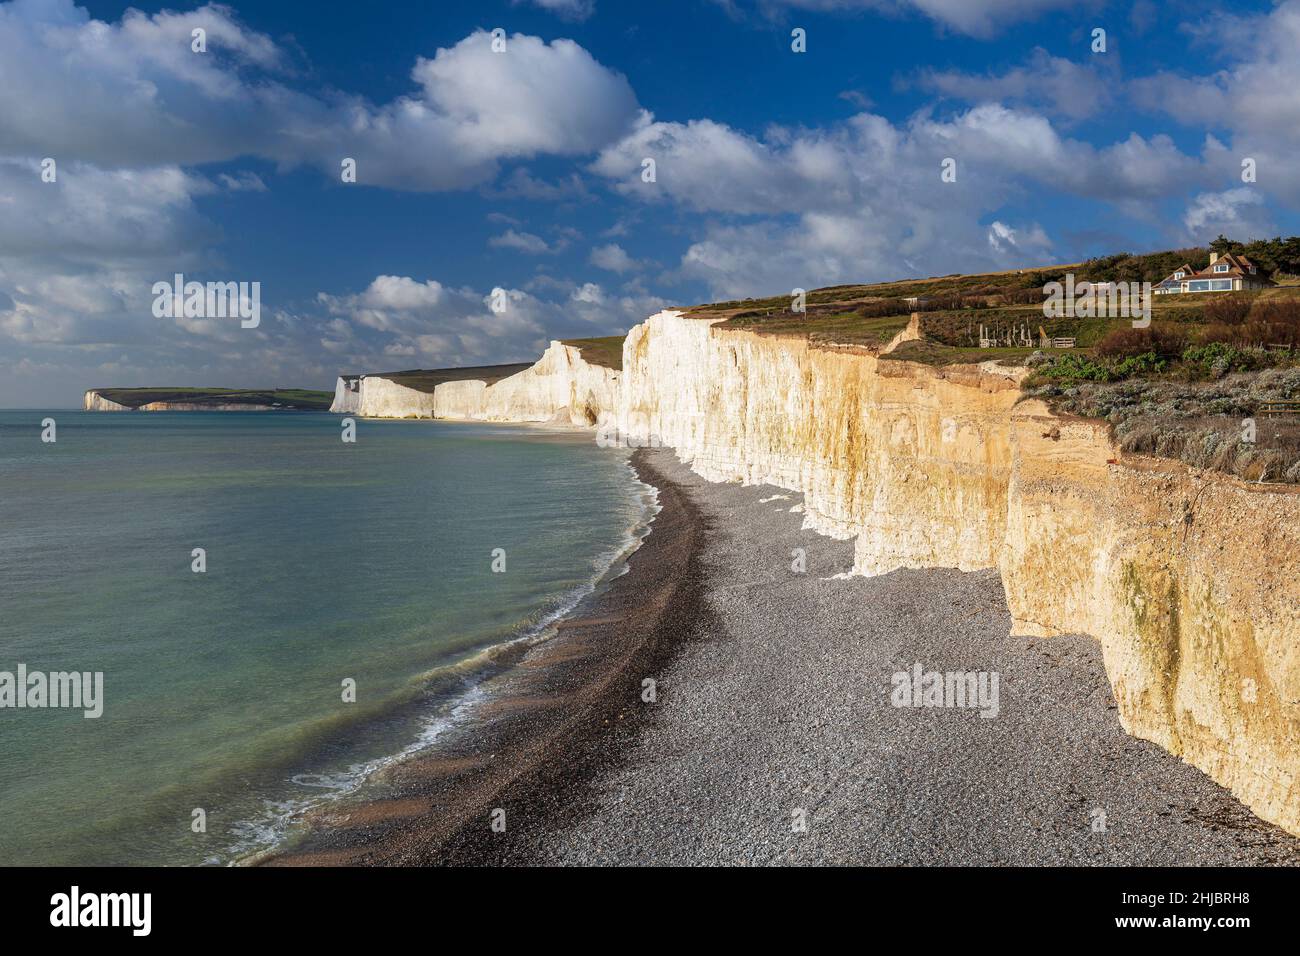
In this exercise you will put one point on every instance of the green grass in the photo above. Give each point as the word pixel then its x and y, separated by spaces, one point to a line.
pixel 293 398
pixel 427 379
pixel 986 283
pixel 939 355
pixel 606 352
pixel 833 328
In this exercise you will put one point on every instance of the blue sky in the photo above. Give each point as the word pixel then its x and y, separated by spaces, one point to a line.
pixel 521 169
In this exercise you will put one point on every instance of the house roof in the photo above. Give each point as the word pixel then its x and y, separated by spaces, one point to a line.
pixel 1185 269
pixel 1237 266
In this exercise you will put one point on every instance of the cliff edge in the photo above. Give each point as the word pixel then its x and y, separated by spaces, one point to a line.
pixel 1190 580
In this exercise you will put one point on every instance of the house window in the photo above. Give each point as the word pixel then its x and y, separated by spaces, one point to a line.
pixel 1178 275
pixel 1221 268
pixel 1209 285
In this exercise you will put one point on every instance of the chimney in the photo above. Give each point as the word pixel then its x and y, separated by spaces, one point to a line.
pixel 1214 257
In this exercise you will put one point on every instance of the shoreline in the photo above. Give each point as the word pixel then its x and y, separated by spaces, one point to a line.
pixel 773 699
pixel 537 740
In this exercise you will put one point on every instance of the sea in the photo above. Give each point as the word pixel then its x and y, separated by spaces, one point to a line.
pixel 276 613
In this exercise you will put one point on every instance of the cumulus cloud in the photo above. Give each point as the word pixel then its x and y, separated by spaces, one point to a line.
pixel 613 258
pixel 1240 213
pixel 980 18
pixel 863 199
pixel 399 315
pixel 565 9
pixel 1068 89
pixel 242 182
pixel 1028 241
pixel 434 325
pixel 132 93
pixel 78 256
pixel 1253 96
pixel 524 242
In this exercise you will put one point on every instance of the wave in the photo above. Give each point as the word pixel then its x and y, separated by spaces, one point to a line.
pixel 457 688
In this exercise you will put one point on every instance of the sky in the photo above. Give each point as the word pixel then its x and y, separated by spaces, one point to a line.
pixel 522 166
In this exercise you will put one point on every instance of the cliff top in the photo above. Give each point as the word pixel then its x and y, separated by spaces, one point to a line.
pixel 294 398
pixel 427 379
pixel 606 352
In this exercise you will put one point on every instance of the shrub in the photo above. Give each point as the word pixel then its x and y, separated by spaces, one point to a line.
pixel 1216 359
pixel 1148 363
pixel 1218 333
pixel 1161 340
pixel 1227 310
pixel 1023 296
pixel 1073 368
pixel 1263 332
pixel 873 310
pixel 1274 323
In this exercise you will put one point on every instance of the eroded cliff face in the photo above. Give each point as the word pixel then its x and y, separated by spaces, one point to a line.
pixel 912 461
pixel 202 407
pixel 378 397
pixel 92 401
pixel 1190 581
pixel 561 388
pixel 347 395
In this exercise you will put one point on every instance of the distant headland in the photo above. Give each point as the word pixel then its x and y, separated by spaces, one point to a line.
pixel 204 400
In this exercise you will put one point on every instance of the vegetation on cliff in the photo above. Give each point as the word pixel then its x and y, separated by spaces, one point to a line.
pixel 1183 388
pixel 427 379
pixel 287 398
pixel 606 351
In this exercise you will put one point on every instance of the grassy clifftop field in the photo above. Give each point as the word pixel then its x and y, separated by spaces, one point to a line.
pixel 1210 381
pixel 287 398
pixel 427 379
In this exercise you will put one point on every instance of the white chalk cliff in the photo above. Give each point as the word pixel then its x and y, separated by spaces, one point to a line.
pixel 561 387
pixel 1190 580
pixel 92 401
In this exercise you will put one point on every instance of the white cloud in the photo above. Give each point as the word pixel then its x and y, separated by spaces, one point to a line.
pixel 434 325
pixel 613 258
pixel 589 293
pixel 242 182
pixel 1254 96
pixel 1071 90
pixel 1239 213
pixel 863 199
pixel 565 9
pixel 975 17
pixel 1028 241
pixel 524 242
pixel 132 93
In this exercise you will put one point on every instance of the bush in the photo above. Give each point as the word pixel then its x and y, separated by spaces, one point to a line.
pixel 874 310
pixel 1227 310
pixel 1148 363
pixel 1216 359
pixel 1218 334
pixel 1261 332
pixel 1274 323
pixel 1072 368
pixel 1163 341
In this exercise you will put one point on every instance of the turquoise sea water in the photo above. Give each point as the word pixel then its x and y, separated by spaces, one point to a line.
pixel 325 561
